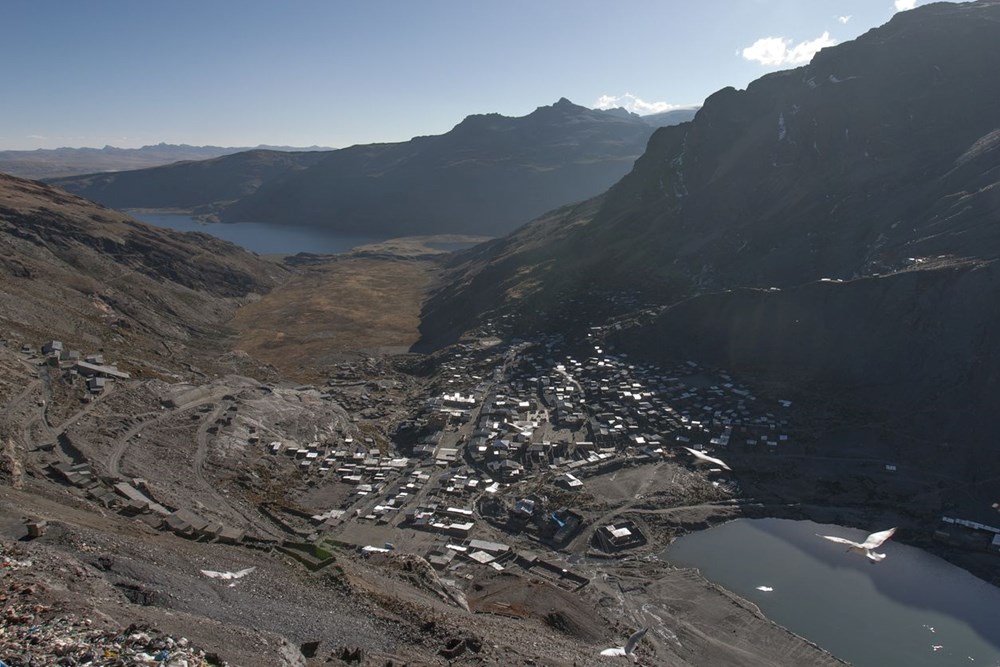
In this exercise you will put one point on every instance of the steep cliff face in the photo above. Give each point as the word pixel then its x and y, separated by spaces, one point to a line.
pixel 880 149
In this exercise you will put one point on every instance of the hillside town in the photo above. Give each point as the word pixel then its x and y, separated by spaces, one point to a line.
pixel 484 471
pixel 539 459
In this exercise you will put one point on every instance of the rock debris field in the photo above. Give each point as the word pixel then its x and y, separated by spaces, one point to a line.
pixel 34 633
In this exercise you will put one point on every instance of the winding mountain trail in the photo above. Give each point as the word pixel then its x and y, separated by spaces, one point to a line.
pixel 201 438
pixel 115 458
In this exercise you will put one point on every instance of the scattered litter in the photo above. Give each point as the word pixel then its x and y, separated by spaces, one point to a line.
pixel 33 637
pixel 33 633
pixel 8 563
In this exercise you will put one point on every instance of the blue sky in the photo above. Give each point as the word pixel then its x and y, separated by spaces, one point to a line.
pixel 341 72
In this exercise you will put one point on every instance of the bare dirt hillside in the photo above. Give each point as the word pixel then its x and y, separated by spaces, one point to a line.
pixel 96 279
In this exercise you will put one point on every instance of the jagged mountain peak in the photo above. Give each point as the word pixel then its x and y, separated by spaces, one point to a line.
pixel 557 112
pixel 562 104
pixel 564 108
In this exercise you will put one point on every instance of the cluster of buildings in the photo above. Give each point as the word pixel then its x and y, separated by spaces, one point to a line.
pixel 618 536
pixel 133 498
pixel 352 462
pixel 454 558
pixel 968 534
pixel 579 415
pixel 92 367
pixel 503 414
pixel 640 405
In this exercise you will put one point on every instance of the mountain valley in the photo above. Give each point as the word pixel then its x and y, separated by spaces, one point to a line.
pixel 782 306
pixel 185 425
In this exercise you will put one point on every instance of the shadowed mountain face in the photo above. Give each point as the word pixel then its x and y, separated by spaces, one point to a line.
pixel 916 348
pixel 203 185
pixel 486 176
pixel 70 268
pixel 880 157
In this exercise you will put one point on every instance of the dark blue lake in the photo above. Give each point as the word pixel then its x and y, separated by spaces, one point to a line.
pixel 911 609
pixel 262 237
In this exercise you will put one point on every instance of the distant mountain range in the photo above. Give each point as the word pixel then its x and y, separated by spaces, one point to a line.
pixel 834 225
pixel 488 175
pixel 57 162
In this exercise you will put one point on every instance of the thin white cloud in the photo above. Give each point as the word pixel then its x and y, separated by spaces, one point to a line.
pixel 778 51
pixel 903 5
pixel 845 19
pixel 634 104
pixel 35 136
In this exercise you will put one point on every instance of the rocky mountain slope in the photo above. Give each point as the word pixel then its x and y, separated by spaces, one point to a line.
pixel 93 277
pixel 61 162
pixel 880 157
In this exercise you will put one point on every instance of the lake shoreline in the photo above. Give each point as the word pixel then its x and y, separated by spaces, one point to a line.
pixel 706 516
pixel 901 612
pixel 311 244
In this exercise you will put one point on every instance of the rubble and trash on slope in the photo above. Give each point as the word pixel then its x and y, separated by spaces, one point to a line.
pixel 33 634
